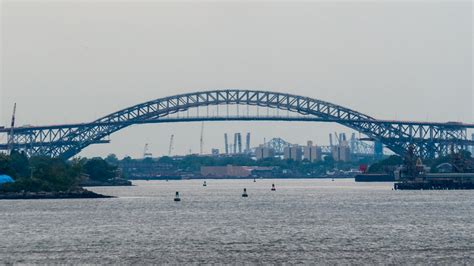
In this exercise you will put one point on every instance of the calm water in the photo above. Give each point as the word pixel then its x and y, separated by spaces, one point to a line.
pixel 304 221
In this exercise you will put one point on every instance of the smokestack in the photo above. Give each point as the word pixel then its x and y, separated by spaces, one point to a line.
pixel 247 143
pixel 235 142
pixel 226 144
pixel 239 142
pixel 353 142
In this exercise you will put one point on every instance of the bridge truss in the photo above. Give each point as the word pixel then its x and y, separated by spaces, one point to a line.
pixel 429 139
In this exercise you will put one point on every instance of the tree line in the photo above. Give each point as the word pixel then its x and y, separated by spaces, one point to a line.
pixel 38 174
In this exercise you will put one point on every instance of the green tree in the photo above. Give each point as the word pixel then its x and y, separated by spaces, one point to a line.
pixel 386 165
pixel 112 159
pixel 42 174
pixel 20 164
pixel 98 169
pixel 6 166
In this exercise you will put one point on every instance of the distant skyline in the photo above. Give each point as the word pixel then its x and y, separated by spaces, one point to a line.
pixel 68 62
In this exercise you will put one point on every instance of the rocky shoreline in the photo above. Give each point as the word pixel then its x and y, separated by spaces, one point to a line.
pixel 78 194
pixel 115 182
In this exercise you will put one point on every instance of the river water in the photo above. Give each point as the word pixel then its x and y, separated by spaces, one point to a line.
pixel 304 221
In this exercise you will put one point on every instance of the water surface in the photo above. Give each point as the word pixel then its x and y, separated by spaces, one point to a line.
pixel 304 221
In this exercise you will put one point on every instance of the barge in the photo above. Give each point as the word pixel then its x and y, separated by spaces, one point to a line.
pixel 414 175
pixel 441 181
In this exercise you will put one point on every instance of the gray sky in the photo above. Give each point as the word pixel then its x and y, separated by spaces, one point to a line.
pixel 65 61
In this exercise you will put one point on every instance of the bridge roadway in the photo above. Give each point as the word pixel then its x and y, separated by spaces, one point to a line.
pixel 454 125
pixel 430 139
pixel 27 129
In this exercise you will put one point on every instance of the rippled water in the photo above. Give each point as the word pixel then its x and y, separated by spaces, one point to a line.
pixel 304 221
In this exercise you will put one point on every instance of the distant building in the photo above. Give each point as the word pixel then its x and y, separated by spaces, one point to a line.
pixel 262 152
pixel 293 152
pixel 341 152
pixel 233 171
pixel 312 153
pixel 472 147
pixel 226 171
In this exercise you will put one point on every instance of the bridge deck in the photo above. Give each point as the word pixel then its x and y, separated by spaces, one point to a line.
pixel 242 118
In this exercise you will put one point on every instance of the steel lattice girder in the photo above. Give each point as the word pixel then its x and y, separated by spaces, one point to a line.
pixel 68 140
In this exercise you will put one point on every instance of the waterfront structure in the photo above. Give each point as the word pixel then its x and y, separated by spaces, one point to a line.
pixel 231 171
pixel 226 171
pixel 413 174
pixel 293 152
pixel 430 139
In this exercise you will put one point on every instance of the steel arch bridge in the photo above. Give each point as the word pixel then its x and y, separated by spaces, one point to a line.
pixel 429 139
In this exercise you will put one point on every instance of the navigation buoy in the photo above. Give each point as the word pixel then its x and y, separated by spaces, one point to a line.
pixel 204 184
pixel 245 193
pixel 176 198
pixel 273 187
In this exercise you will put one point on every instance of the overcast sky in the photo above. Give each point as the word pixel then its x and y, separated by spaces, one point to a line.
pixel 74 61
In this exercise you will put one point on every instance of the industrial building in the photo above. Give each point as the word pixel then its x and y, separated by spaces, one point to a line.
pixel 236 147
pixel 472 147
pixel 262 152
pixel 341 152
pixel 312 153
pixel 293 152
pixel 231 171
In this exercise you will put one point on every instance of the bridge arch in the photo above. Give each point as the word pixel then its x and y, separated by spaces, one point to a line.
pixel 164 107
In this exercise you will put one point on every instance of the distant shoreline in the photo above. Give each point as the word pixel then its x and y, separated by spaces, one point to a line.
pixel 241 178
pixel 81 194
pixel 114 183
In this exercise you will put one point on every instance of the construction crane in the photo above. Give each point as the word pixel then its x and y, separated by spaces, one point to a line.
pixel 201 151
pixel 146 152
pixel 11 138
pixel 170 150
pixel 337 138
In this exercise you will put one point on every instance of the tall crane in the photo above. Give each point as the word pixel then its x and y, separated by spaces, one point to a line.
pixel 170 150
pixel 11 138
pixel 201 150
pixel 338 138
